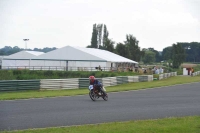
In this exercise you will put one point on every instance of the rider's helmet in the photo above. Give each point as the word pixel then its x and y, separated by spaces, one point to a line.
pixel 91 78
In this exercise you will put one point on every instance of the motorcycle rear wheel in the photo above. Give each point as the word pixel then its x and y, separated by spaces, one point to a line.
pixel 105 96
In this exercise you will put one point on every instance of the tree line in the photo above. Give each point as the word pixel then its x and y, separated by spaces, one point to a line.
pixel 8 50
pixel 175 54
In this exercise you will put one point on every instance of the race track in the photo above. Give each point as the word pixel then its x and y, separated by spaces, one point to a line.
pixel 174 101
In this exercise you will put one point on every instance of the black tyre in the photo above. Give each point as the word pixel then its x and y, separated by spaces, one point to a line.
pixel 92 95
pixel 105 96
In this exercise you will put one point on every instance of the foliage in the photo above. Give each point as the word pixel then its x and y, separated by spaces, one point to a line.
pixel 28 74
pixel 167 53
pixel 6 75
pixel 7 50
pixel 192 51
pixel 129 49
pixel 149 57
pixel 156 76
pixel 99 34
pixel 133 48
pixel 122 50
pixel 109 45
pixel 105 35
pixel 197 68
pixel 158 57
pixel 178 55
pixel 94 37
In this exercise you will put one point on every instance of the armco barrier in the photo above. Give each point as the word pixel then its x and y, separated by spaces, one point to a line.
pixel 14 85
pixel 84 82
pixel 196 73
pixel 167 75
pixel 72 83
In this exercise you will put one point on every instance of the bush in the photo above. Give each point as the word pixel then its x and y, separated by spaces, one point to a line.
pixel 156 76
pixel 6 75
pixel 42 74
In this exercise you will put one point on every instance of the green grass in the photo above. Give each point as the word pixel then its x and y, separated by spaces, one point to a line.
pixel 122 87
pixel 167 125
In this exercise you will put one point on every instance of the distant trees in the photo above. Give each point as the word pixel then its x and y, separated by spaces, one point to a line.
pixel 176 53
pixel 149 57
pixel 192 51
pixel 8 50
pixel 158 56
pixel 182 52
pixel 45 50
pixel 167 53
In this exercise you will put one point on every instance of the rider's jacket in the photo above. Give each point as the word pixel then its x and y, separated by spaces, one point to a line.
pixel 96 82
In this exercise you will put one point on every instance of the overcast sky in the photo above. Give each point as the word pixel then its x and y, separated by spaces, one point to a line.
pixel 58 23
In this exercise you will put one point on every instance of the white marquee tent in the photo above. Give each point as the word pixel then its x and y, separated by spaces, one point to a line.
pixel 75 58
pixel 21 58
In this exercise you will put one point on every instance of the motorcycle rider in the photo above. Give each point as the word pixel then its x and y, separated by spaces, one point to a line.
pixel 96 83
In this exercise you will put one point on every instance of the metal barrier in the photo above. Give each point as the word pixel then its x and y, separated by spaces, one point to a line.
pixel 15 85
pixel 59 83
pixel 167 75
pixel 58 68
pixel 84 82
pixel 73 83
pixel 195 73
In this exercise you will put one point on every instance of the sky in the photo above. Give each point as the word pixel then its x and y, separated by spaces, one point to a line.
pixel 58 23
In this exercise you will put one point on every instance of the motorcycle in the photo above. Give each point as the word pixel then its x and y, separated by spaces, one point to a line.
pixel 95 93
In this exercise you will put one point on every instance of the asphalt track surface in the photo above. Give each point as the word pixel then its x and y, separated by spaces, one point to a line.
pixel 174 101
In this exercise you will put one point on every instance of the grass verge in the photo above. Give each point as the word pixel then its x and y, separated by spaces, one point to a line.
pixel 189 124
pixel 122 87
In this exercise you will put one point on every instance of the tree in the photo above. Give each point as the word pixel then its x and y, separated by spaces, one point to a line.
pixel 167 53
pixel 157 54
pixel 192 51
pixel 122 50
pixel 94 37
pixel 99 34
pixel 105 35
pixel 149 57
pixel 109 45
pixel 133 48
pixel 178 55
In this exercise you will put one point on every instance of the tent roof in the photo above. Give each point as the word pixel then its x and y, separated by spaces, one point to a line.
pixel 24 55
pixel 2 56
pixel 188 65
pixel 83 54
pixel 106 55
pixel 69 53
pixel 36 53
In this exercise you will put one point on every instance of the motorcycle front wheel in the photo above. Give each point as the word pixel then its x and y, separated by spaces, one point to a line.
pixel 92 95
